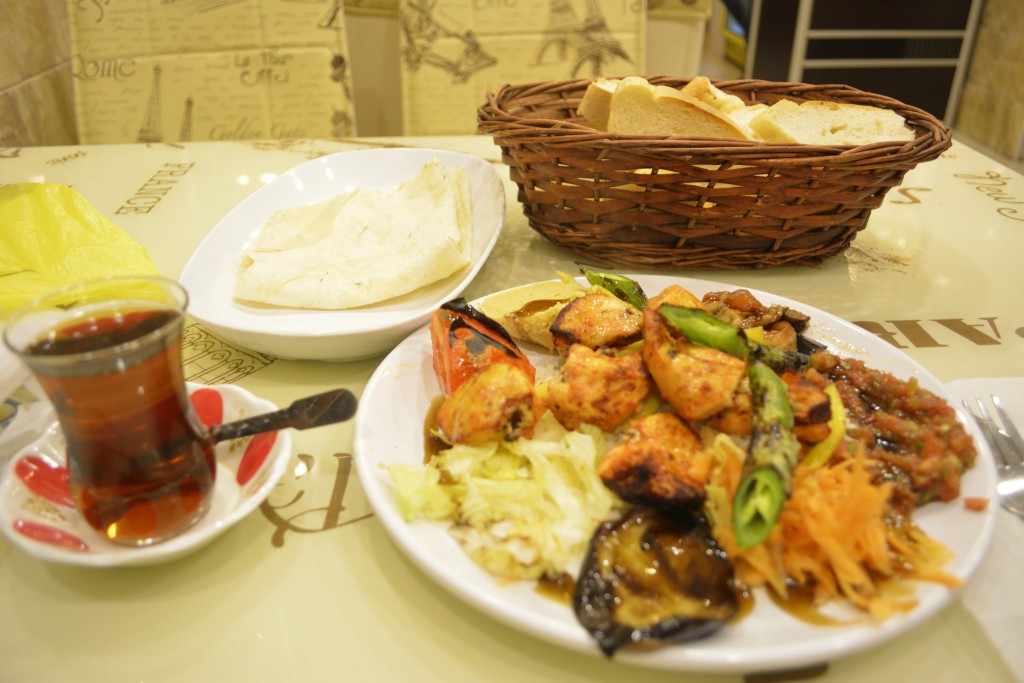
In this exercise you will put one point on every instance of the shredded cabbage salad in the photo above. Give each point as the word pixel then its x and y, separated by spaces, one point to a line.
pixel 521 510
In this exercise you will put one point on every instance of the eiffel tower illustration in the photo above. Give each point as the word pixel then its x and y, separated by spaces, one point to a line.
pixel 562 24
pixel 186 122
pixel 597 43
pixel 332 19
pixel 422 26
pixel 150 130
pixel 593 41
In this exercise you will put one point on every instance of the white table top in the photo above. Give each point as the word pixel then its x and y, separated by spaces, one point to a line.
pixel 310 588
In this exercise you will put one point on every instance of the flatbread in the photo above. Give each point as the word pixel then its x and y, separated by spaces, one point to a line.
pixel 362 247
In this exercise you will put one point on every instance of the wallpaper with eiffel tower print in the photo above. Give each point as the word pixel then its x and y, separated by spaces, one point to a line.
pixel 210 70
pixel 454 52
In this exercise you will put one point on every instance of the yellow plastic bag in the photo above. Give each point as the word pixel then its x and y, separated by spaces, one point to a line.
pixel 51 236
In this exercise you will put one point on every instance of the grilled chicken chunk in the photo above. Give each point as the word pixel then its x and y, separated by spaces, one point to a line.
pixel 736 419
pixel 811 406
pixel 596 387
pixel 494 403
pixel 596 320
pixel 697 381
pixel 659 462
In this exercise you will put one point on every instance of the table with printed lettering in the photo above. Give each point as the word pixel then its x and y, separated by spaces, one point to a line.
pixel 310 587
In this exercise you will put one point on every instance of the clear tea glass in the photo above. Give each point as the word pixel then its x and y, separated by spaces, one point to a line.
pixel 108 354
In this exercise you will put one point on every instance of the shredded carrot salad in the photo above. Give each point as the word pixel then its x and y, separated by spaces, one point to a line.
pixel 837 535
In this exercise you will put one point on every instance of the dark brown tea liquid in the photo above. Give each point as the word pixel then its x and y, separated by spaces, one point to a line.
pixel 141 466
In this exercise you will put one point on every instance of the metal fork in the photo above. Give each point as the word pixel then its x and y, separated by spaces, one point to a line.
pixel 1008 448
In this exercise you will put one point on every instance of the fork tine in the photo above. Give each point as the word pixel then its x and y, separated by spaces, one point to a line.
pixel 1007 448
pixel 1009 429
pixel 991 432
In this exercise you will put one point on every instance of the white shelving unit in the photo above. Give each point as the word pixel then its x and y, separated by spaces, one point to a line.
pixel 903 52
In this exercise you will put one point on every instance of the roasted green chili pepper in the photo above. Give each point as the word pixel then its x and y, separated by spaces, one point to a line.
pixel 700 327
pixel 622 287
pixel 778 360
pixel 772 455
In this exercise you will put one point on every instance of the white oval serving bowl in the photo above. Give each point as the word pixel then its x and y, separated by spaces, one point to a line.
pixel 341 335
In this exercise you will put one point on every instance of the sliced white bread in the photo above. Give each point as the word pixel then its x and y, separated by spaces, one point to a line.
pixel 703 89
pixel 742 118
pixel 639 108
pixel 829 123
pixel 596 103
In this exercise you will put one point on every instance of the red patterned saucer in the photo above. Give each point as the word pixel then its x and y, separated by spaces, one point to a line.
pixel 38 515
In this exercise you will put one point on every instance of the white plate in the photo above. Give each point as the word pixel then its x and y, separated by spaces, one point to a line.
pixel 768 638
pixel 209 275
pixel 41 520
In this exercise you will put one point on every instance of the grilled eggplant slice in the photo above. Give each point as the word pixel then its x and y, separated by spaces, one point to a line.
pixel 651 578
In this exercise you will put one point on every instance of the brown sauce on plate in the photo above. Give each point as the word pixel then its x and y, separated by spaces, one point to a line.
pixel 536 306
pixel 558 588
pixel 432 444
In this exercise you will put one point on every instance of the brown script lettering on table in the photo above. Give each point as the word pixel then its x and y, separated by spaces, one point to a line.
pixel 919 333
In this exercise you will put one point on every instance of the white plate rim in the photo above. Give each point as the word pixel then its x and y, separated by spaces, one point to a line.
pixel 209 273
pixel 101 553
pixel 746 647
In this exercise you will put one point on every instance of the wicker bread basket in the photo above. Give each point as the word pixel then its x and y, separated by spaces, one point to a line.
pixel 669 202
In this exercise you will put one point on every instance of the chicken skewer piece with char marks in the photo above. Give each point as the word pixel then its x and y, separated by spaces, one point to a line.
pixel 487 380
pixel 660 462
pixel 597 320
pixel 597 388
pixel 698 381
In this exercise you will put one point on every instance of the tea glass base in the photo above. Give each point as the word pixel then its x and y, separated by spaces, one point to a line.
pixel 141 542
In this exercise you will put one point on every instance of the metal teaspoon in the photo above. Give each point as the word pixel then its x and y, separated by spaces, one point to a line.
pixel 327 408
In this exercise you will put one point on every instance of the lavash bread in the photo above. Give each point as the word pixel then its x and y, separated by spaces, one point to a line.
pixel 639 108
pixel 361 247
pixel 633 106
pixel 829 123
